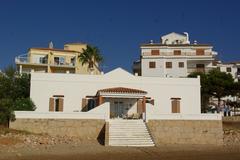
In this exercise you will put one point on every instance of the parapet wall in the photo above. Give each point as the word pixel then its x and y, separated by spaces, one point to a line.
pixel 83 128
pixel 186 131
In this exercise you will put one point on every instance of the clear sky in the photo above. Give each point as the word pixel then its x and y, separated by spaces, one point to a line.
pixel 117 27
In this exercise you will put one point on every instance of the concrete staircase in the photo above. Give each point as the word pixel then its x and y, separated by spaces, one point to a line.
pixel 129 133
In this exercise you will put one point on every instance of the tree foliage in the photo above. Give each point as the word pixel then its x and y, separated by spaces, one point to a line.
pixel 14 94
pixel 91 56
pixel 216 84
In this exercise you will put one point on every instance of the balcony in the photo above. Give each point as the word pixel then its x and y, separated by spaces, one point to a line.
pixel 186 54
pixel 194 69
pixel 61 62
pixel 24 59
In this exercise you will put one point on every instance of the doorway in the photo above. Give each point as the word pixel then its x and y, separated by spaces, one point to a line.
pixel 118 109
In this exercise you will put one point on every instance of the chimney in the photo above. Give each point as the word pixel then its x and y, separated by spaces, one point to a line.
pixel 50 45
pixel 187 35
pixel 195 42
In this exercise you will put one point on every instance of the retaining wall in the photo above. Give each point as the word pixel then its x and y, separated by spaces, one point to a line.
pixel 186 131
pixel 82 128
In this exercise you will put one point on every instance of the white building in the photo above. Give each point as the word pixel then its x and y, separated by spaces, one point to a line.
pixel 233 68
pixel 126 93
pixel 85 105
pixel 174 56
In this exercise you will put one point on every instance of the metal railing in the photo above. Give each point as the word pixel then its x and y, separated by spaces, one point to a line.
pixel 24 59
pixel 172 54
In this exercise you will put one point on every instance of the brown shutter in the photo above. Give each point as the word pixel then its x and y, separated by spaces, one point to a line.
pixel 175 106
pixel 177 52
pixel 60 104
pixel 139 106
pixel 155 52
pixel 200 52
pixel 178 106
pixel 84 104
pixel 152 102
pixel 51 104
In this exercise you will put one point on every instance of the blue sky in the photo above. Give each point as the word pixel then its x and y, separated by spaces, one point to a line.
pixel 117 27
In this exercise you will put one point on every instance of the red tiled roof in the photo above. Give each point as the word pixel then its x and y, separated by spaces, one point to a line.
pixel 122 90
pixel 53 49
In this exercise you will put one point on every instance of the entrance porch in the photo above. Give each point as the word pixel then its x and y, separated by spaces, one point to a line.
pixel 125 103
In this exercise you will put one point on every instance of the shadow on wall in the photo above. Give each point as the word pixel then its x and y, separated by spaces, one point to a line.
pixel 101 136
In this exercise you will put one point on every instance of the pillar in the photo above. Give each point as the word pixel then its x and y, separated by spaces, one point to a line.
pixel 144 104
pixel 100 100
pixel 20 69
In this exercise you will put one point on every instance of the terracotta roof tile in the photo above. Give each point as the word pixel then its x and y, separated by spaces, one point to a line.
pixel 122 90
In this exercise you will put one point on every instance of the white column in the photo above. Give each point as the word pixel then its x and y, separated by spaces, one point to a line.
pixel 20 69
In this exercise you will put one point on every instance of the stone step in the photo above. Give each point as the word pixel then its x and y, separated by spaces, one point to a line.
pixel 137 138
pixel 128 130
pixel 130 143
pixel 133 145
pixel 129 133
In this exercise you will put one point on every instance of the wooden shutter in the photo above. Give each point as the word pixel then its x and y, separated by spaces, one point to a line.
pixel 60 104
pixel 200 52
pixel 152 102
pixel 84 104
pixel 152 64
pixel 177 52
pixel 139 106
pixel 51 104
pixel 155 52
pixel 175 106
pixel 168 64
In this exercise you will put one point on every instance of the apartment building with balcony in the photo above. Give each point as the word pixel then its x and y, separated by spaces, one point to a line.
pixel 52 60
pixel 232 68
pixel 174 56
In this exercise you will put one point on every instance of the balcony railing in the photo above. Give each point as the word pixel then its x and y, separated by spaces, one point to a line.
pixel 172 54
pixel 63 64
pixel 194 69
pixel 24 59
pixel 21 59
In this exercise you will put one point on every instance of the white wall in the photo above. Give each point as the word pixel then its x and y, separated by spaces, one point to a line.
pixel 74 87
pixel 101 112
pixel 161 70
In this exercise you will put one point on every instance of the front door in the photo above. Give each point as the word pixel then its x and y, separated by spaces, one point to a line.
pixel 118 108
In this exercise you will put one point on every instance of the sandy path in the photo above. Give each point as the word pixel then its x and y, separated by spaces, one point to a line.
pixel 98 152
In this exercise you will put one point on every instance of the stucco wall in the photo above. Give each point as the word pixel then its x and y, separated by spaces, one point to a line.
pixel 186 131
pixel 74 87
pixel 82 128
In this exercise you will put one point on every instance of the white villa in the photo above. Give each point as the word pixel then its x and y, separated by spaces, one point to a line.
pixel 129 110
pixel 126 93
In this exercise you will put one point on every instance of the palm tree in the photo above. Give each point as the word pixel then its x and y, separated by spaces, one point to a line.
pixel 91 56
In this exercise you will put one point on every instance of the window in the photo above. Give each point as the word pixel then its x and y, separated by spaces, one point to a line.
pixel 229 69
pixel 155 52
pixel 56 103
pixel 200 52
pixel 168 64
pixel 177 52
pixel 152 64
pixel 43 60
pixel 59 60
pixel 200 68
pixel 91 104
pixel 175 105
pixel 181 64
